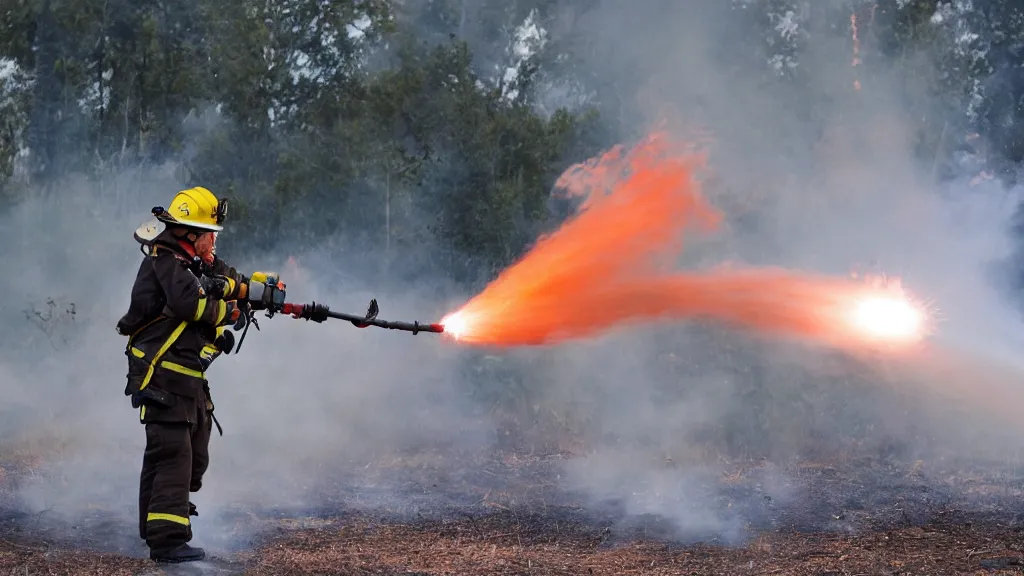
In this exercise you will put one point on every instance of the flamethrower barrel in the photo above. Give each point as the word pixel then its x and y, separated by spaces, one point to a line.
pixel 413 326
pixel 319 313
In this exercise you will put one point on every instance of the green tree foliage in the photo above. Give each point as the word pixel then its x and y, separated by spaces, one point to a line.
pixel 314 116
pixel 373 116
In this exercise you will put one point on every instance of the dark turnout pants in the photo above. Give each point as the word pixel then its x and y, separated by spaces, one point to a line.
pixel 176 457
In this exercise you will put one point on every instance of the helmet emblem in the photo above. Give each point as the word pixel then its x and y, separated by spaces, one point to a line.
pixel 183 207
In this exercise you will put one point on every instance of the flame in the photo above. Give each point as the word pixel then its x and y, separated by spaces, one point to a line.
pixel 888 318
pixel 605 267
pixel 455 325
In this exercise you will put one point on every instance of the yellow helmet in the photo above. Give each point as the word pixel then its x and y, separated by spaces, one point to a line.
pixel 195 208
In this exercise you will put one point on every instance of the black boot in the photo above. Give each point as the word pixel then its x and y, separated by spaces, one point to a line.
pixel 180 553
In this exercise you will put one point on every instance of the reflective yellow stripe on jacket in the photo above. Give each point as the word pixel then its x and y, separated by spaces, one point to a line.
pixel 159 354
pixel 172 366
pixel 200 308
pixel 181 369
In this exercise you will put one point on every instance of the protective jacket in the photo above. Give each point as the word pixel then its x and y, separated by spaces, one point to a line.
pixel 173 323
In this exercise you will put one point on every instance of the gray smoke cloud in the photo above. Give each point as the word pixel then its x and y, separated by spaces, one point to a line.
pixel 300 402
pixel 814 175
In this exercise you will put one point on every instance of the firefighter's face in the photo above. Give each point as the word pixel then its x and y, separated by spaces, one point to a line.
pixel 206 246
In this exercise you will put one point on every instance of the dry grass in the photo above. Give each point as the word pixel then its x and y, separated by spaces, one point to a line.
pixel 516 531
pixel 502 546
pixel 499 545
pixel 18 559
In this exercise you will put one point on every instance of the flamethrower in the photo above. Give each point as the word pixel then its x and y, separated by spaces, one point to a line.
pixel 272 300
pixel 319 313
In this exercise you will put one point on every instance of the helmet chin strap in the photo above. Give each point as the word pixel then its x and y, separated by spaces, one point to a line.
pixel 186 239
pixel 187 234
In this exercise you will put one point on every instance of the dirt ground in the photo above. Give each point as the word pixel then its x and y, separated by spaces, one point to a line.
pixel 507 543
pixel 864 517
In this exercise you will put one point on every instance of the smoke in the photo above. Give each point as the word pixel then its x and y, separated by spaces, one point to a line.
pixel 305 407
pixel 813 175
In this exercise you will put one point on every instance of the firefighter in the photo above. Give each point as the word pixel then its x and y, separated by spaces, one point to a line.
pixel 183 299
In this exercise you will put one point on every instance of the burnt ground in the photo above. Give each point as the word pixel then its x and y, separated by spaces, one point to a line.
pixel 513 516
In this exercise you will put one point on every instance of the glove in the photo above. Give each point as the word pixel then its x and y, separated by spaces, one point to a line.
pixel 266 291
pixel 216 287
pixel 225 342
pixel 232 314
pixel 207 355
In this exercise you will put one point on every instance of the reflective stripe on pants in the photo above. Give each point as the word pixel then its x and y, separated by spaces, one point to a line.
pixel 168 517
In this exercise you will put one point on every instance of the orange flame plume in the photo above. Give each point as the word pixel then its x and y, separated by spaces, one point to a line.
pixel 606 267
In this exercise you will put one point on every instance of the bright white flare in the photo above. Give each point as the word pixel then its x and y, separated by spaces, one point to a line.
pixel 454 325
pixel 889 318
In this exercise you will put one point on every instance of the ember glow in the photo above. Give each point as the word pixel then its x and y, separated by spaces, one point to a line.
pixel 606 267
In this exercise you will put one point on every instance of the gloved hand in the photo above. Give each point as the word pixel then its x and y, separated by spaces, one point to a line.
pixel 232 315
pixel 225 342
pixel 216 287
pixel 207 355
pixel 243 318
pixel 266 291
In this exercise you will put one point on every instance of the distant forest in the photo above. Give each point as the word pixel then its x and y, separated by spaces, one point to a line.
pixel 442 121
